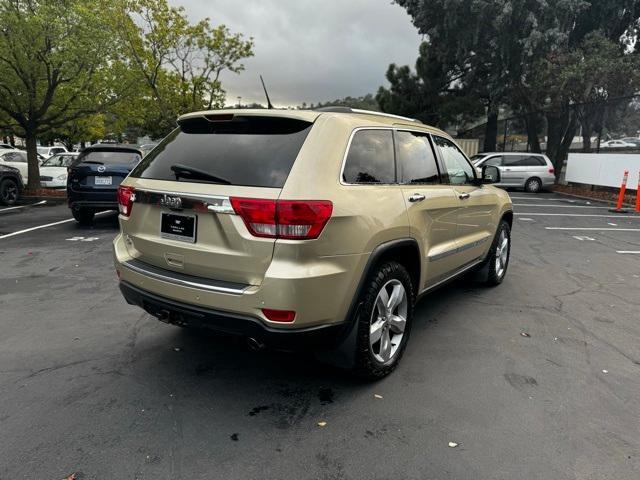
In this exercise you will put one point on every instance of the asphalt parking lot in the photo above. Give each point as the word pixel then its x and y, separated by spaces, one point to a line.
pixel 93 386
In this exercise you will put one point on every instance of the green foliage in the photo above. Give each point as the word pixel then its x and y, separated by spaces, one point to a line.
pixel 55 63
pixel 366 102
pixel 537 58
pixel 432 94
pixel 180 63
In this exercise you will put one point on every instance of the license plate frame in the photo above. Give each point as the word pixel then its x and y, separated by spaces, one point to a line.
pixel 105 181
pixel 172 228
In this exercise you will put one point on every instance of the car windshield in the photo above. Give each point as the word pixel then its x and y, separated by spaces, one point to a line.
pixel 476 158
pixel 43 150
pixel 58 161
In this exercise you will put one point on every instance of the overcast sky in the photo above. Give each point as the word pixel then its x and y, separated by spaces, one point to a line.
pixel 312 50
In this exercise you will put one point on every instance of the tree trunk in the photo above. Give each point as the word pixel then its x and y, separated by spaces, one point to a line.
pixel 532 122
pixel 491 131
pixel 586 141
pixel 561 129
pixel 32 157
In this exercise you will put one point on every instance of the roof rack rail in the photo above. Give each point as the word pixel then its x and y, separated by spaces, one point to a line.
pixel 339 109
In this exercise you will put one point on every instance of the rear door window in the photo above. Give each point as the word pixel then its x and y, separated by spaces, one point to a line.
pixel 416 160
pixel 370 158
pixel 523 161
pixel 248 151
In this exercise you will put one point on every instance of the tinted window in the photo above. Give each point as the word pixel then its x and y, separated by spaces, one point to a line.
pixel 251 151
pixel 370 158
pixel 459 170
pixel 416 161
pixel 15 157
pixel 58 161
pixel 523 161
pixel 112 157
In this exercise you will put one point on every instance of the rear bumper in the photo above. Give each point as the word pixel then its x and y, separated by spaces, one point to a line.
pixel 320 292
pixel 178 313
pixel 107 200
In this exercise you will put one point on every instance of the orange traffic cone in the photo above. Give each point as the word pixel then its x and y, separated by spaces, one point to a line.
pixel 623 189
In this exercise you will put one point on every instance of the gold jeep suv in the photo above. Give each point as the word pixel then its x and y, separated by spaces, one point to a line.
pixel 313 229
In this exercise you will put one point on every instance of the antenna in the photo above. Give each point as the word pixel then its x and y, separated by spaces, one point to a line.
pixel 269 105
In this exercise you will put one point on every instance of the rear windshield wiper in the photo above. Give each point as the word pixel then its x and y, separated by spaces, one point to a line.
pixel 195 173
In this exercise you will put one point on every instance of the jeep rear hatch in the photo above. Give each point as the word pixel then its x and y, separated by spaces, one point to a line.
pixel 178 208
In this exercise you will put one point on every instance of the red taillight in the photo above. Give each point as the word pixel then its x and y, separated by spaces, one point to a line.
pixel 126 195
pixel 286 219
pixel 552 170
pixel 284 316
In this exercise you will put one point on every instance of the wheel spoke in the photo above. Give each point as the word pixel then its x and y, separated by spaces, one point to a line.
pixel 385 346
pixel 396 297
pixel 503 245
pixel 375 331
pixel 397 323
pixel 382 301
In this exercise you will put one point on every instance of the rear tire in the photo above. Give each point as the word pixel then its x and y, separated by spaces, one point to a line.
pixel 533 185
pixel 383 321
pixel 9 191
pixel 84 216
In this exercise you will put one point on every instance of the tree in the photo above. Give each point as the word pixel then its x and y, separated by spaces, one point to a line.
pixel 180 63
pixel 432 94
pixel 366 102
pixel 56 62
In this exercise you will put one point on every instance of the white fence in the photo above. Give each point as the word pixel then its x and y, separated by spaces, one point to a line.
pixel 603 169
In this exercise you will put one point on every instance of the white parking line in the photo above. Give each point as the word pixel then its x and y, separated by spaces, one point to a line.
pixel 538 214
pixel 533 197
pixel 20 232
pixel 556 206
pixel 22 206
pixel 595 229
pixel 630 252
pixel 27 230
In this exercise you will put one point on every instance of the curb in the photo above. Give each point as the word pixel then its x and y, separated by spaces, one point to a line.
pixel 582 197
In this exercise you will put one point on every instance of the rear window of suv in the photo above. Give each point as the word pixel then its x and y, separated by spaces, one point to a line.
pixel 109 157
pixel 247 151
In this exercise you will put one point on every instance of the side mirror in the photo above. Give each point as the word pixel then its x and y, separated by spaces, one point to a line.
pixel 490 174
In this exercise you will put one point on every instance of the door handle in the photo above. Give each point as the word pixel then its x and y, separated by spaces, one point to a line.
pixel 416 197
pixel 463 196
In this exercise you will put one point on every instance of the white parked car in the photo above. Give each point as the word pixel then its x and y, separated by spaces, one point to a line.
pixel 17 159
pixel 53 172
pixel 50 151
pixel 616 144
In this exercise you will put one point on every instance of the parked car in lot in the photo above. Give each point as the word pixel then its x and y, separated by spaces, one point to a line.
pixel 635 141
pixel 616 144
pixel 6 146
pixel 17 159
pixel 53 171
pixel 47 152
pixel 10 185
pixel 94 176
pixel 530 171
pixel 306 229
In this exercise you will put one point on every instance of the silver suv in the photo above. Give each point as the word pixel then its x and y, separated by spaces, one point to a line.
pixel 531 171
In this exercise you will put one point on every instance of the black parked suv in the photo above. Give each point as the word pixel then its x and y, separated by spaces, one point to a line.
pixel 94 177
pixel 10 185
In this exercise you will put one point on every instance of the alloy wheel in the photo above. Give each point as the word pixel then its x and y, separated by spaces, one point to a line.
pixel 502 254
pixel 388 321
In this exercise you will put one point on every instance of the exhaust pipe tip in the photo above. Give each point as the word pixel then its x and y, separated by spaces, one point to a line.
pixel 255 344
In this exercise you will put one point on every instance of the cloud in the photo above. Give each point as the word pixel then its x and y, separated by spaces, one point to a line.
pixel 312 50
